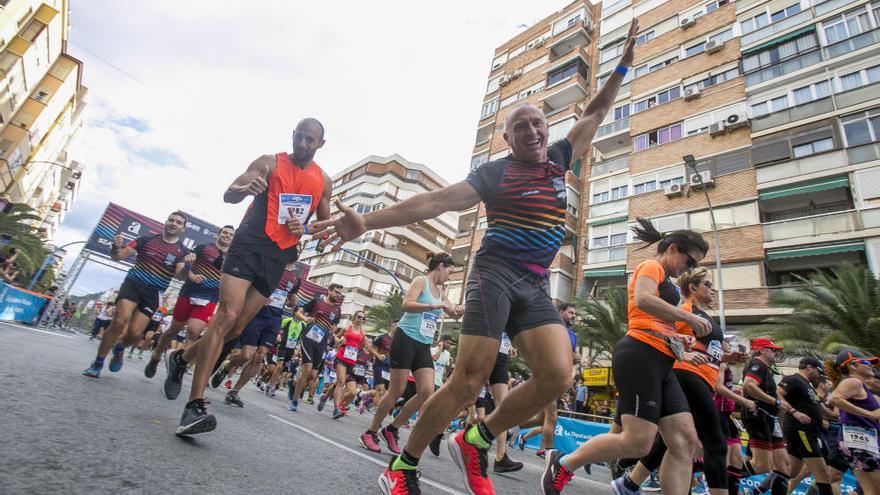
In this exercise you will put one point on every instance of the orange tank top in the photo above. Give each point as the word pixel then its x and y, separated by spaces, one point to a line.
pixel 640 320
pixel 301 187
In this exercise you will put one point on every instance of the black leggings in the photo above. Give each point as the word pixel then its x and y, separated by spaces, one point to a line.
pixel 708 426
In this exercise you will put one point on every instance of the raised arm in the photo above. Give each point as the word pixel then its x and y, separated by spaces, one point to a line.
pixel 121 249
pixel 252 182
pixel 581 134
pixel 350 224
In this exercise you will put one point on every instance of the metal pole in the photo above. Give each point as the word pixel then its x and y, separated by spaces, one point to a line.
pixel 49 260
pixel 692 163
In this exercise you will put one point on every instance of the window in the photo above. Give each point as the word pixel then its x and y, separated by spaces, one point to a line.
pixel 618 192
pixel 846 25
pixel 755 23
pixel 510 100
pixel 601 197
pixel 644 187
pixel 695 50
pixel 499 61
pixel 782 51
pixel 725 218
pixel 574 67
pixel 860 78
pixel 489 108
pixel 530 91
pixel 875 8
pixel 813 147
pixel 657 137
pixel 536 63
pixel 862 128
pixel 610 53
pixel 607 242
pixel 644 37
pixel 713 79
pixel 413 174
pixel 560 129
pixel 621 112
pixel 493 85
pixel 483 224
pixel 711 7
pixel 658 99
pixel 480 159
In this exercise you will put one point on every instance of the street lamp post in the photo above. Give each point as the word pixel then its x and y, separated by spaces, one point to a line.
pixel 691 162
pixel 46 261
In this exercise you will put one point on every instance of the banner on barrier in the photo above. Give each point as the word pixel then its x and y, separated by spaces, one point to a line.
pixel 19 305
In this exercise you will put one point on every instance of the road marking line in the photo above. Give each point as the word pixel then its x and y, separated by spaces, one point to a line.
pixel 25 327
pixel 350 450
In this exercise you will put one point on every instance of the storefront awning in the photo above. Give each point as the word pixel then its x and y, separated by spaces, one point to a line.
pixel 802 252
pixel 807 188
pixel 615 271
pixel 609 220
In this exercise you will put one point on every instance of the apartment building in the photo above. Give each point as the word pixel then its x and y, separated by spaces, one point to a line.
pixel 41 109
pixel 550 66
pixel 771 107
pixel 366 265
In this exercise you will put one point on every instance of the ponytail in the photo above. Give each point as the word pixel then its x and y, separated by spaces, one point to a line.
pixel 434 260
pixel 835 374
pixel 686 240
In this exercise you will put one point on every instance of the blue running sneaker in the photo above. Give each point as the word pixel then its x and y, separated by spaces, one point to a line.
pixel 292 406
pixel 619 488
pixel 117 360
pixel 93 371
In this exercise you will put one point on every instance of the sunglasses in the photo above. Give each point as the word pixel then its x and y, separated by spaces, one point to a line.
pixel 691 261
pixel 864 361
pixel 707 284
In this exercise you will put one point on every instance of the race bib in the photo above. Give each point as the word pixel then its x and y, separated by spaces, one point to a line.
pixel 291 343
pixel 483 393
pixel 505 344
pixel 277 299
pixel 315 334
pixel 294 206
pixel 360 370
pixel 195 301
pixel 777 428
pixel 439 369
pixel 332 375
pixel 350 352
pixel 386 375
pixel 715 352
pixel 857 437
pixel 157 316
pixel 429 325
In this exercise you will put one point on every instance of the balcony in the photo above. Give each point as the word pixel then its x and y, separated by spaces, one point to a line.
pixel 574 109
pixel 569 40
pixel 831 223
pixel 609 208
pixel 613 136
pixel 614 8
pixel 852 44
pixel 776 27
pixel 864 153
pixel 604 255
pixel 781 69
pixel 484 133
pixel 825 7
pixel 806 165
pixel 608 166
pixel 793 114
pixel 565 93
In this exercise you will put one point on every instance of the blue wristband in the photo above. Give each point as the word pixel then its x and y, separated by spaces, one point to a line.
pixel 621 70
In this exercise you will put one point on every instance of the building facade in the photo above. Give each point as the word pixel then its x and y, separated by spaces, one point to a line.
pixel 363 267
pixel 41 109
pixel 776 102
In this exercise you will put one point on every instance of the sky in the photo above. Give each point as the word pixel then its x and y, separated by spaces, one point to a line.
pixel 183 95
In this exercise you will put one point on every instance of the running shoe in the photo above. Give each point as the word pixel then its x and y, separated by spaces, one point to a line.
pixel 140 354
pixel 233 399
pixel 338 413
pixel 651 485
pixel 174 379
pixel 196 419
pixel 292 406
pixel 390 440
pixel 619 487
pixel 310 400
pixel 322 403
pixel 507 465
pixel 521 443
pixel 370 441
pixel 588 468
pixel 402 482
pixel 117 361
pixel 218 376
pixel 150 368
pixel 362 408
pixel 556 476
pixel 541 453
pixel 271 392
pixel 93 371
pixel 473 462
pixel 435 445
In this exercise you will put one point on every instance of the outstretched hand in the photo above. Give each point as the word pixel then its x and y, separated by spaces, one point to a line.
pixel 338 230
pixel 626 59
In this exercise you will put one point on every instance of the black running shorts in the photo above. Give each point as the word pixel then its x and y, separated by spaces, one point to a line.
pixel 408 353
pixel 502 296
pixel 146 298
pixel 261 271
pixel 760 428
pixel 646 386
pixel 312 353
pixel 802 444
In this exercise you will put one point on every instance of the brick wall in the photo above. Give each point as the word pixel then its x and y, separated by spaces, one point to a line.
pixel 677 110
pixel 700 145
pixel 739 244
pixel 687 67
pixel 746 299
pixel 705 25
pixel 728 188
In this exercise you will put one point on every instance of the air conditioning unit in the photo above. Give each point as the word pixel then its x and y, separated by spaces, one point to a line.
pixel 588 24
pixel 702 179
pixel 538 43
pixel 402 242
pixel 504 81
pixel 713 46
pixel 736 121
pixel 516 73
pixel 672 190
pixel 687 22
pixel 692 93
pixel 716 128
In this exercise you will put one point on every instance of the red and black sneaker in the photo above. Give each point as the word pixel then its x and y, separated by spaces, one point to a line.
pixel 473 462
pixel 390 440
pixel 401 482
pixel 556 476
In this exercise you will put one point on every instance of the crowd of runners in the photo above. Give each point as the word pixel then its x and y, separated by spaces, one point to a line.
pixel 236 319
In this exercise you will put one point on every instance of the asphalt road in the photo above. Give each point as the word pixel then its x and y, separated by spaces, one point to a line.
pixel 63 432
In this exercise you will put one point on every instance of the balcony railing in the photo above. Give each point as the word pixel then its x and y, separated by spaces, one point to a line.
pixel 783 68
pixel 602 255
pixel 608 166
pixel 871 218
pixel 825 7
pixel 863 153
pixel 776 27
pixel 851 44
pixel 614 8
pixel 600 210
pixel 793 114
pixel 831 223
pixel 612 128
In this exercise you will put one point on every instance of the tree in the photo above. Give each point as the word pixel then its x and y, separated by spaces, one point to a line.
pixel 602 322
pixel 381 317
pixel 17 226
pixel 833 310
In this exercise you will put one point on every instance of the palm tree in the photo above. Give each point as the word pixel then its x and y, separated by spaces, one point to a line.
pixel 17 225
pixel 833 310
pixel 385 314
pixel 602 322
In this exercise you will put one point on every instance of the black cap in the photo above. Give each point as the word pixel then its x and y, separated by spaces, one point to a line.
pixel 811 361
pixel 845 357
